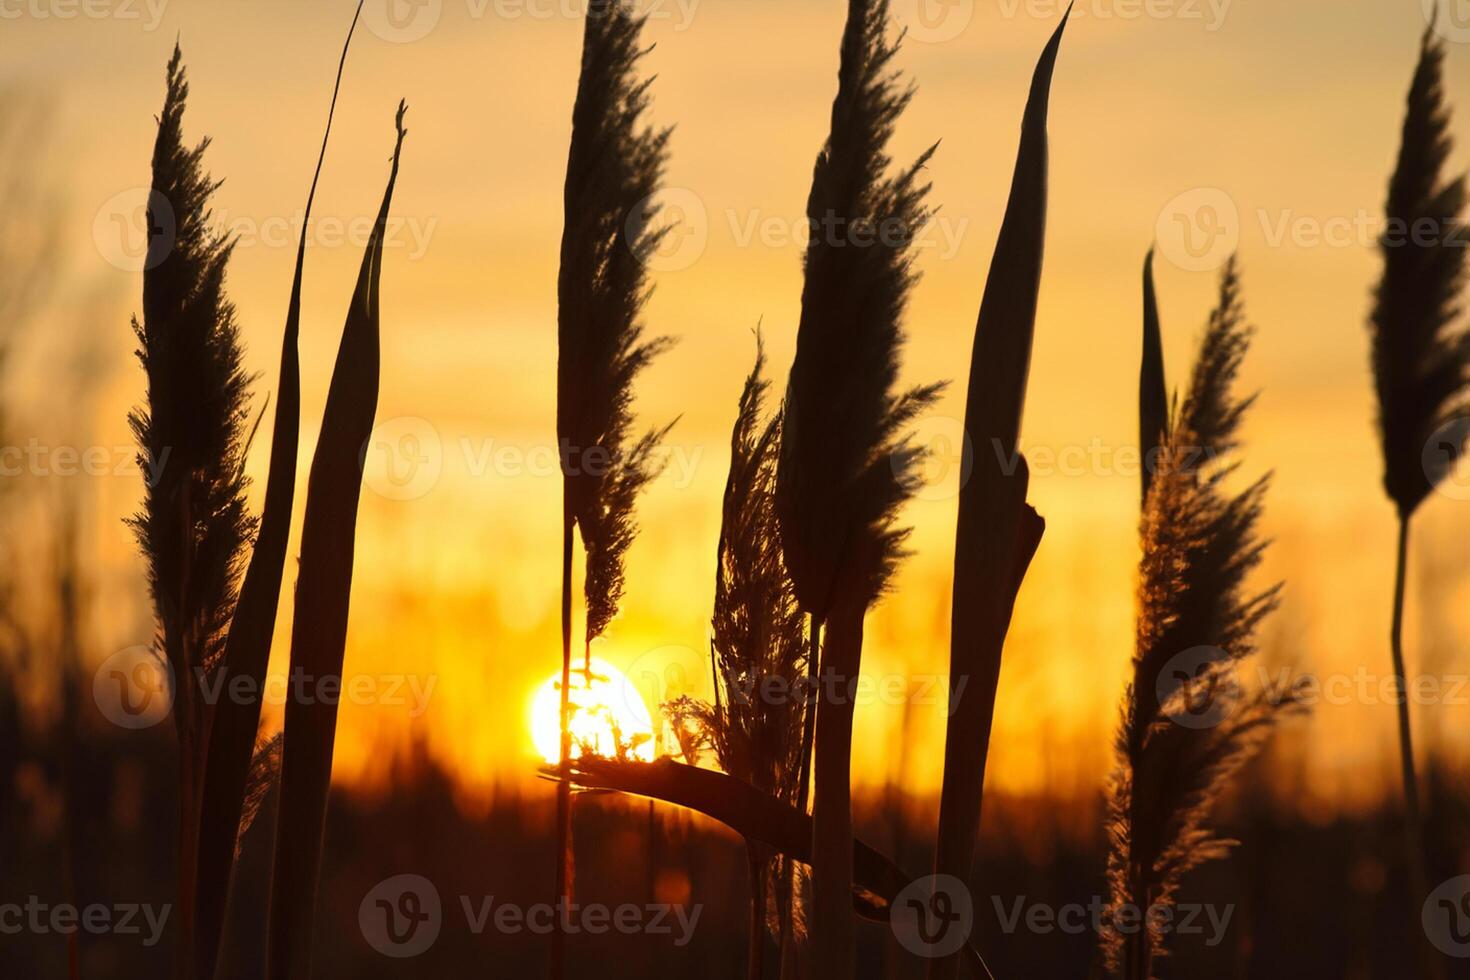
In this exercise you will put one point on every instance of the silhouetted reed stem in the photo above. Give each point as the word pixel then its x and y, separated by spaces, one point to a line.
pixel 564 787
pixel 788 877
pixel 1413 813
pixel 755 952
pixel 810 721
pixel 1421 365
pixel 188 850
pixel 832 807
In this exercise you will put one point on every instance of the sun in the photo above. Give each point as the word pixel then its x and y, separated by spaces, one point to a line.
pixel 607 713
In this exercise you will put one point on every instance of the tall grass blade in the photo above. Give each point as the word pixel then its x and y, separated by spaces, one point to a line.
pixel 232 739
pixel 193 527
pixel 323 592
pixel 1153 397
pixel 997 532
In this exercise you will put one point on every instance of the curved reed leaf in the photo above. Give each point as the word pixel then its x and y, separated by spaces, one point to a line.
pixel 323 592
pixel 753 814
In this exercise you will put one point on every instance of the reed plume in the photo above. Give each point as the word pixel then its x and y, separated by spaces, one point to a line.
pixel 1186 725
pixel 758 646
pixel 1421 360
pixel 193 527
pixel 845 465
pixel 614 165
pixel 996 531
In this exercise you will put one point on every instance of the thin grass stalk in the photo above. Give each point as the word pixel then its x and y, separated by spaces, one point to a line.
pixel 564 789
pixel 323 595
pixel 832 869
pixel 789 966
pixel 755 951
pixel 996 532
pixel 615 164
pixel 247 648
pixel 1421 371
pixel 1413 808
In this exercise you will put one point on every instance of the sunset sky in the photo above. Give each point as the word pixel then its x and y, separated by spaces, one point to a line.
pixel 1275 124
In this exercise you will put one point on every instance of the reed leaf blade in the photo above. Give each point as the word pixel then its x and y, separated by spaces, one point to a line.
pixel 323 592
pixel 232 739
pixel 997 532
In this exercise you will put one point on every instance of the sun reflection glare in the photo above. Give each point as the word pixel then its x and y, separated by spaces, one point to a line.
pixel 609 717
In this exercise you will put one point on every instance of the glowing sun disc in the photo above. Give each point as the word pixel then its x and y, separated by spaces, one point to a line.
pixel 605 713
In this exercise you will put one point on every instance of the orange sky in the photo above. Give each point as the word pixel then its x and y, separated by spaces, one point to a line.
pixel 1285 114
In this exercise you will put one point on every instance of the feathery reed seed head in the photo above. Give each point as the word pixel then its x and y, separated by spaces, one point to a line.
pixel 1421 360
pixel 614 166
pixel 193 527
pixel 1196 622
pixel 845 464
